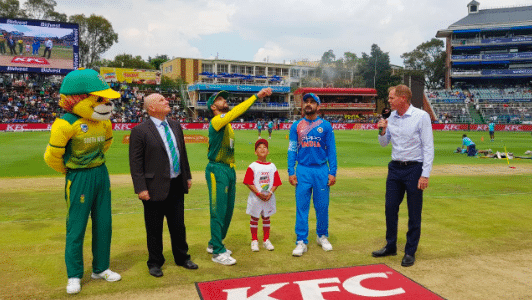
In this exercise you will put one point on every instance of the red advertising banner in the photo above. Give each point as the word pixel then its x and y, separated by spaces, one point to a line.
pixel 360 282
pixel 284 126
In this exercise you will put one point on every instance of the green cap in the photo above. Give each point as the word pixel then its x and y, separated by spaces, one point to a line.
pixel 86 81
pixel 210 102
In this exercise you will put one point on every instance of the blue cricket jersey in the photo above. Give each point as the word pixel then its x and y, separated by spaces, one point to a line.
pixel 312 144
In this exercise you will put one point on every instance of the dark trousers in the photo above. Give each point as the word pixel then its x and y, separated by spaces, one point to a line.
pixel 401 179
pixel 471 150
pixel 49 50
pixel 174 210
pixel 12 49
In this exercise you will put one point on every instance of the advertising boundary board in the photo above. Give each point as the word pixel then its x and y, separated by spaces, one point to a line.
pixel 17 127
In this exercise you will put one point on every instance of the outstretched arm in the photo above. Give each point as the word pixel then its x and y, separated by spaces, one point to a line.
pixel 219 121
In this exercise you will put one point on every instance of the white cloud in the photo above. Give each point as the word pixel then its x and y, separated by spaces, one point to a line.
pixel 271 52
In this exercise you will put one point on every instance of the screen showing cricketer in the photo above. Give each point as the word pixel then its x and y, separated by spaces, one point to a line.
pixel 36 46
pixel 360 282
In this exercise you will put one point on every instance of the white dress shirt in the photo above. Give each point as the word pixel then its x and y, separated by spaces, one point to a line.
pixel 160 128
pixel 411 137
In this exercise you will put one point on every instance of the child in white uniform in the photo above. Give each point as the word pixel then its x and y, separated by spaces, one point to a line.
pixel 262 179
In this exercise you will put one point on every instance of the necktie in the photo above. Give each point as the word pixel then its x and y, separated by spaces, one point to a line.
pixel 171 145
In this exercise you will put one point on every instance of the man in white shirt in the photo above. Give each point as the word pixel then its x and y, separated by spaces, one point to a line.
pixel 410 131
pixel 48 44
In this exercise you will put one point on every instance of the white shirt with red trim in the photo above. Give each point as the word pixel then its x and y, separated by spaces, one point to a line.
pixel 264 176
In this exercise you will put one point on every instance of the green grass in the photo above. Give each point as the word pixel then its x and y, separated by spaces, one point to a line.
pixel 358 148
pixel 462 216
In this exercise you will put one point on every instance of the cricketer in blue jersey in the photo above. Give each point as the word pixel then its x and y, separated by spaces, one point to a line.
pixel 491 128
pixel 313 147
pixel 470 146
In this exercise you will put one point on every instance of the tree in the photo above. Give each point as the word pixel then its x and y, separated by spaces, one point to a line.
pixel 11 9
pixel 39 9
pixel 96 35
pixel 376 71
pixel 328 57
pixel 158 60
pixel 55 16
pixel 350 60
pixel 128 61
pixel 428 59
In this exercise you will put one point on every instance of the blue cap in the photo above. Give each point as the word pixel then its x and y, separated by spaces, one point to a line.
pixel 309 95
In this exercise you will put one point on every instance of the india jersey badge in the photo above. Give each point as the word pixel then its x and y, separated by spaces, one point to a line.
pixel 320 130
pixel 84 127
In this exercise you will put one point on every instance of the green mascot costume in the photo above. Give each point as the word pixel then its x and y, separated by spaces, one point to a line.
pixel 77 147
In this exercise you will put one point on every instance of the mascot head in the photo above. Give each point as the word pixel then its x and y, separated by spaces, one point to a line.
pixel 85 93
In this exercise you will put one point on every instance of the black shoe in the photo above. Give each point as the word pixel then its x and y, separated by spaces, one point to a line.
pixel 408 260
pixel 156 271
pixel 383 252
pixel 188 264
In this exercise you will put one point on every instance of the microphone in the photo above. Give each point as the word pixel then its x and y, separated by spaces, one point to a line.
pixel 385 114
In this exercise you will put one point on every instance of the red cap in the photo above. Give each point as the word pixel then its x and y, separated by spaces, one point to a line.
pixel 261 141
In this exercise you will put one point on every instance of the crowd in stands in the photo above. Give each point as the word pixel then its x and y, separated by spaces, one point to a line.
pixel 28 100
pixel 501 104
pixel 33 98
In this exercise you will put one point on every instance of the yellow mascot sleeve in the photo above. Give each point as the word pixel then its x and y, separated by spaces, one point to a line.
pixel 108 135
pixel 62 131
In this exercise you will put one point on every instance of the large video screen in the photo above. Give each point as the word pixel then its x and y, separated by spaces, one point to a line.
pixel 34 46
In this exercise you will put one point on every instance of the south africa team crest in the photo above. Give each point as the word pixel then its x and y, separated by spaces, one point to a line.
pixel 84 127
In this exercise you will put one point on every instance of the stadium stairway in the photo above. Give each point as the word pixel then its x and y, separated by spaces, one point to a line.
pixel 475 115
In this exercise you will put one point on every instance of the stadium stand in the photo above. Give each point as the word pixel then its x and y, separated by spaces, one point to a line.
pixel 504 105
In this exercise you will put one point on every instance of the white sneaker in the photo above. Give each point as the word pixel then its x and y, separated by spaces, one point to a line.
pixel 268 245
pixel 255 246
pixel 324 243
pixel 224 259
pixel 210 250
pixel 300 249
pixel 73 285
pixel 107 275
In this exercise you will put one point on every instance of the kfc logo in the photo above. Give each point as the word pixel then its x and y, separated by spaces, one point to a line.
pixel 122 126
pixel 30 60
pixel 311 289
pixel 240 126
pixel 368 126
pixel 362 282
pixel 511 128
pixel 16 127
pixel 451 127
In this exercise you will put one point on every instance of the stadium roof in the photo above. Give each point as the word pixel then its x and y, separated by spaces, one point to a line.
pixel 491 18
pixel 337 91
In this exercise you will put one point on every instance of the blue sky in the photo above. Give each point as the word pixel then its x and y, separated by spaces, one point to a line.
pixel 276 30
pixel 36 30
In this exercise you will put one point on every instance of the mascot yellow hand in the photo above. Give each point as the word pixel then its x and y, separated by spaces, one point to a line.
pixel 80 138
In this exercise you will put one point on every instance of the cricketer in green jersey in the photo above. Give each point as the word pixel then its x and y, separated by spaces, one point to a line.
pixel 220 171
